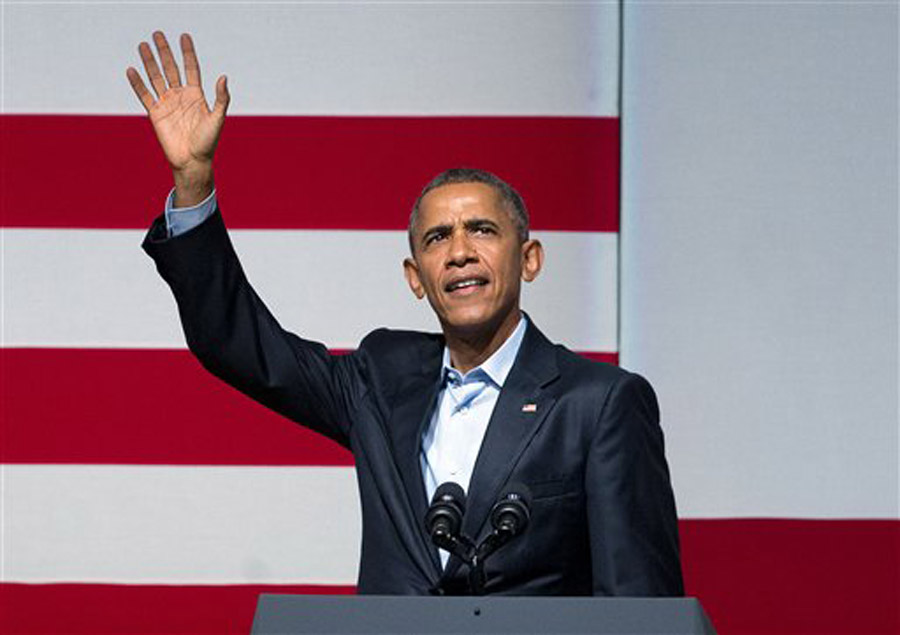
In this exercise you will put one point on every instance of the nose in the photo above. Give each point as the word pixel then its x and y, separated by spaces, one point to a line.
pixel 460 250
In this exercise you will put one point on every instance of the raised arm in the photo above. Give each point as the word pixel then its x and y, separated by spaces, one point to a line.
pixel 187 129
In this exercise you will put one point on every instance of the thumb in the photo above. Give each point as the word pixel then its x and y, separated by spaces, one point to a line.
pixel 223 97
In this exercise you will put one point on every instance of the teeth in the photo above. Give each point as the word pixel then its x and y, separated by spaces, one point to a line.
pixel 462 284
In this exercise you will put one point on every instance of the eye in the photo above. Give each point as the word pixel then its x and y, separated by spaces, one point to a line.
pixel 434 237
pixel 483 230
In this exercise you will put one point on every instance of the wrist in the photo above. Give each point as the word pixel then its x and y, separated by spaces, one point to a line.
pixel 193 185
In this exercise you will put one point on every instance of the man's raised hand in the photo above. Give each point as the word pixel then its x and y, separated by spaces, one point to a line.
pixel 186 128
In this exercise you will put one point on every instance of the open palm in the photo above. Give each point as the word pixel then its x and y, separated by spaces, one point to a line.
pixel 187 129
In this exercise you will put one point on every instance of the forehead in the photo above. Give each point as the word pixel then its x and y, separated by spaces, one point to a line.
pixel 459 201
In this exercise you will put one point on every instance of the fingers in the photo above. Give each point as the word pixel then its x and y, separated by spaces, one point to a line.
pixel 156 78
pixel 169 77
pixel 170 68
pixel 137 85
pixel 223 97
pixel 191 66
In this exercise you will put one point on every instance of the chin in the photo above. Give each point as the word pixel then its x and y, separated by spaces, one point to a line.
pixel 465 319
pixel 470 321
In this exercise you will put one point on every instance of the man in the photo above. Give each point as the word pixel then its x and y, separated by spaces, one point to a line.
pixel 487 403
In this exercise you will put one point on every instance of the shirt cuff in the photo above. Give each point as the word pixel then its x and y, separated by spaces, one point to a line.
pixel 180 220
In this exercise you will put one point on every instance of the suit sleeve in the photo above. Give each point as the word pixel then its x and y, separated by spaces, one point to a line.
pixel 236 338
pixel 631 509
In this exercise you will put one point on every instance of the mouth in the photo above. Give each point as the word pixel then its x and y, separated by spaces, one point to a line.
pixel 464 285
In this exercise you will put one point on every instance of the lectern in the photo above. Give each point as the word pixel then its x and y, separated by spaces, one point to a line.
pixel 370 615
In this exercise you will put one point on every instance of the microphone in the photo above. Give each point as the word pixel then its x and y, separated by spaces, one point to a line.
pixel 509 516
pixel 444 518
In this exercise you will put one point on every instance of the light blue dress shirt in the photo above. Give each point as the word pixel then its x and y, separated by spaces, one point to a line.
pixel 183 219
pixel 464 407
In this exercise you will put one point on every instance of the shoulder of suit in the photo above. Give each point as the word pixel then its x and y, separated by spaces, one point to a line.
pixel 400 347
pixel 391 337
pixel 580 367
pixel 598 383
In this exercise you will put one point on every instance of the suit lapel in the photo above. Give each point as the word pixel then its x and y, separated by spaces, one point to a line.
pixel 414 406
pixel 521 409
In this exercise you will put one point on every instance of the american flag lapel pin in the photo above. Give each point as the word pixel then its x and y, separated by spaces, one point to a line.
pixel 529 407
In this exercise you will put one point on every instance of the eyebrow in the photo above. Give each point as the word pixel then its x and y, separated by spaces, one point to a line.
pixel 471 224
pixel 478 223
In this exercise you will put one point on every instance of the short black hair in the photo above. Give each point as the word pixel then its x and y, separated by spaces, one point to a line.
pixel 509 197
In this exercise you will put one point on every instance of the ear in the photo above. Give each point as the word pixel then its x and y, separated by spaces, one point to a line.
pixel 532 259
pixel 411 271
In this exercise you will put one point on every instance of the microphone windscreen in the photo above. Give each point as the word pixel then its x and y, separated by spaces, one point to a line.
pixel 512 512
pixel 517 491
pixel 444 517
pixel 450 491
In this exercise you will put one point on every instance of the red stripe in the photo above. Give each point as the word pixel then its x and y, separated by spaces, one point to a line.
pixel 140 407
pixel 607 358
pixel 78 406
pixel 795 576
pixel 96 609
pixel 307 172
pixel 752 576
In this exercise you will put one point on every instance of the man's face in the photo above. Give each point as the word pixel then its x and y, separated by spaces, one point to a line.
pixel 468 261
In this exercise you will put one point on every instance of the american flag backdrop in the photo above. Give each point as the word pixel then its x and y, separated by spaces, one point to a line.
pixel 140 494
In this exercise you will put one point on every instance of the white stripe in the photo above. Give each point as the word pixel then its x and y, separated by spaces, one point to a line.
pixel 760 277
pixel 95 288
pixel 377 58
pixel 180 525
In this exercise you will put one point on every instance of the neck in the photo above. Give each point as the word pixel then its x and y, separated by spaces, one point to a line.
pixel 469 349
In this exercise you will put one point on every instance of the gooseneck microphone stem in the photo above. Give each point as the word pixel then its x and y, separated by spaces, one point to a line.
pixel 476 574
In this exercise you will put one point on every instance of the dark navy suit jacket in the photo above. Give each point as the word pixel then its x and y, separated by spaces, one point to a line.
pixel 589 445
